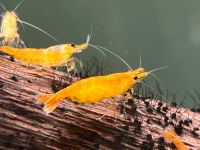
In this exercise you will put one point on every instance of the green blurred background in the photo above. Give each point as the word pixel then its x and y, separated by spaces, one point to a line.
pixel 164 32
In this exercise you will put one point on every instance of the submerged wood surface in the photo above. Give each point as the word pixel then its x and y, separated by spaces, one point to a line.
pixel 23 124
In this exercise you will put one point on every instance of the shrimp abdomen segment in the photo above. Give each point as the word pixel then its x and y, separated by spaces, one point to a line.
pixel 42 57
pixel 51 101
pixel 29 55
pixel 96 88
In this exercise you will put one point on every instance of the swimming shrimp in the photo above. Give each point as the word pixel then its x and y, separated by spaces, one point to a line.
pixel 170 134
pixel 94 89
pixel 9 29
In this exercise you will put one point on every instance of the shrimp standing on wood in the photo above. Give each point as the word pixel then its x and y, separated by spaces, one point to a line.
pixel 46 57
pixel 9 29
pixel 56 55
pixel 170 134
pixel 94 89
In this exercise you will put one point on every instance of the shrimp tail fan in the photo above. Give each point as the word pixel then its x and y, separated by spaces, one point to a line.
pixel 169 132
pixel 42 98
pixel 50 102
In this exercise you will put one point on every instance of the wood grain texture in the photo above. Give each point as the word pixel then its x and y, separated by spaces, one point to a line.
pixel 23 124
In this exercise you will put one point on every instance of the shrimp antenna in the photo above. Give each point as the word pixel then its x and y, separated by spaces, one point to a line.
pixel 158 69
pixel 155 77
pixel 150 72
pixel 117 57
pixel 97 48
pixel 154 90
pixel 140 59
pixel 88 40
pixel 89 35
pixel 2 6
pixel 18 5
pixel 40 30
pixel 20 22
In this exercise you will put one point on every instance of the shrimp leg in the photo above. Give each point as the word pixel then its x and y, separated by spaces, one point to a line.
pixel 72 64
pixel 109 103
pixel 14 43
pixel 21 44
pixel 1 40
pixel 76 59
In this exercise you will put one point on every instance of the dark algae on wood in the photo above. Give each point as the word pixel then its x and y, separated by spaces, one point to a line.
pixel 130 122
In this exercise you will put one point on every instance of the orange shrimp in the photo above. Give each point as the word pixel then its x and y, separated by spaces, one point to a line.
pixel 56 55
pixel 170 134
pixel 94 89
pixel 9 29
pixel 45 57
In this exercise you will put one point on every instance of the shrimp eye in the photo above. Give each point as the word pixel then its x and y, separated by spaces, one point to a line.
pixel 73 45
pixel 135 78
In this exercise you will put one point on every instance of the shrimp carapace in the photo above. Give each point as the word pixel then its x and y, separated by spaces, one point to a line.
pixel 9 28
pixel 46 57
pixel 94 89
pixel 170 134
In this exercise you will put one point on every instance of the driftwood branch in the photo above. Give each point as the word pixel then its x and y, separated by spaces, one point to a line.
pixel 129 122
